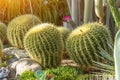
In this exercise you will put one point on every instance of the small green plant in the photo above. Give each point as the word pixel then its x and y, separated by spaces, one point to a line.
pixel 38 75
pixel 28 75
pixel 64 73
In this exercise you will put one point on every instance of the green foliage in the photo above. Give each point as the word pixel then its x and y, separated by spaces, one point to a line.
pixel 64 33
pixel 18 27
pixel 108 66
pixel 44 45
pixel 64 73
pixel 3 32
pixel 83 43
pixel 28 75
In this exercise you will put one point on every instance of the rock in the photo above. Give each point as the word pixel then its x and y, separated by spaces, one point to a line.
pixel 26 64
pixel 17 52
pixel 18 67
pixel 4 72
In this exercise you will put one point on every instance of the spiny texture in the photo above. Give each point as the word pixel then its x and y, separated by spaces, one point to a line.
pixel 3 32
pixel 84 42
pixel 64 34
pixel 18 28
pixel 43 44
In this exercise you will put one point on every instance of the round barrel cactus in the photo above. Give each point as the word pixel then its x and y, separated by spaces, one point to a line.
pixel 64 34
pixel 18 27
pixel 3 32
pixel 84 44
pixel 44 44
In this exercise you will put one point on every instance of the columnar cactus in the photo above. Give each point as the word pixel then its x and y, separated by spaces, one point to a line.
pixel 3 32
pixel 18 27
pixel 44 44
pixel 84 42
pixel 64 33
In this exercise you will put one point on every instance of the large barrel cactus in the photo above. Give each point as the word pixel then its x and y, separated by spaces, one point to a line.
pixel 84 44
pixel 18 27
pixel 64 34
pixel 43 44
pixel 3 32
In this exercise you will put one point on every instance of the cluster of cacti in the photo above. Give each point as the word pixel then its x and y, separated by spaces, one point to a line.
pixel 84 42
pixel 43 43
pixel 18 27
pixel 3 32
pixel 64 34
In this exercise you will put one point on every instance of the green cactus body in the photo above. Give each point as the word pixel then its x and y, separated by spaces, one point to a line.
pixel 64 33
pixel 3 32
pixel 43 44
pixel 18 27
pixel 83 43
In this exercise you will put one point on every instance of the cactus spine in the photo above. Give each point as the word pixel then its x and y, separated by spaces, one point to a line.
pixel 83 43
pixel 3 32
pixel 18 28
pixel 64 33
pixel 43 43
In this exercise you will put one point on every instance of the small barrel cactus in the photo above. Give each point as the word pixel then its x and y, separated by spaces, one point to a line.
pixel 18 27
pixel 44 44
pixel 64 33
pixel 84 43
pixel 3 32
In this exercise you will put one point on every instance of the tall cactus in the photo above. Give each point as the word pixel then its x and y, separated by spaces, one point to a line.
pixel 88 11
pixel 83 43
pixel 44 45
pixel 3 32
pixel 18 27
pixel 99 10
pixel 117 55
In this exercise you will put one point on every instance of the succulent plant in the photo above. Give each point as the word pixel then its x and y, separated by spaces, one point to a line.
pixel 44 44
pixel 84 42
pixel 18 27
pixel 3 32
pixel 64 33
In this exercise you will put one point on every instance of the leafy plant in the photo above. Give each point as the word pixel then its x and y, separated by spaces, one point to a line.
pixel 108 66
pixel 28 75
pixel 64 73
